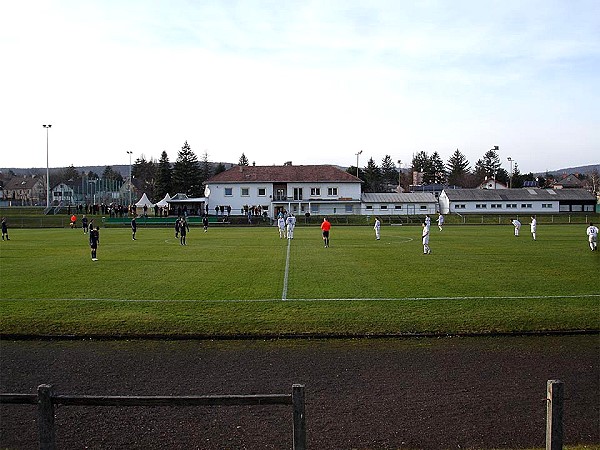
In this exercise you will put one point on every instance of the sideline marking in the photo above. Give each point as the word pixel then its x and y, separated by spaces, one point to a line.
pixel 287 271
pixel 123 300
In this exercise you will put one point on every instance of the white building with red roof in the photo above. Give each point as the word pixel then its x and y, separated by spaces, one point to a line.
pixel 317 190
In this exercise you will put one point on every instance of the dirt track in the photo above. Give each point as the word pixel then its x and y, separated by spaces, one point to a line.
pixel 361 394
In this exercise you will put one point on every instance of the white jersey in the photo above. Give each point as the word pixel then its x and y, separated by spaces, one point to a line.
pixel 291 221
pixel 516 223
pixel 440 220
pixel 592 232
pixel 427 221
pixel 533 225
pixel 281 223
pixel 377 225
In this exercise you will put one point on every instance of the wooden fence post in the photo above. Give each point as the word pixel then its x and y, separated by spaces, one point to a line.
pixel 554 415
pixel 46 417
pixel 299 417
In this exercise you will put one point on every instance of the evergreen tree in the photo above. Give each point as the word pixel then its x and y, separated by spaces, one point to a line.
pixel 243 160
pixel 70 176
pixel 517 178
pixel 457 169
pixel 352 171
pixel 372 177
pixel 205 171
pixel 220 168
pixel 389 173
pixel 111 174
pixel 438 171
pixel 489 165
pixel 145 172
pixel 163 176
pixel 186 172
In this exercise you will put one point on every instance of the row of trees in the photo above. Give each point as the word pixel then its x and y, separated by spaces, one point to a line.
pixel 432 169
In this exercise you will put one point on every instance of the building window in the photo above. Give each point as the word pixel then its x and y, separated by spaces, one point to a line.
pixel 423 207
pixel 245 192
pixel 349 209
pixel 332 191
pixel 526 205
pixel 397 206
pixel 511 205
pixel 496 205
pixel 588 208
pixel 314 209
pixel 460 206
pixel 546 205
pixel 262 192
pixel 382 207
pixel 297 193
pixel 480 206
pixel 315 192
pixel 369 207
pixel 228 192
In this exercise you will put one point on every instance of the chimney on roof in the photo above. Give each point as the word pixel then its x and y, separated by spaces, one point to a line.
pixel 241 168
pixel 287 163
pixel 253 163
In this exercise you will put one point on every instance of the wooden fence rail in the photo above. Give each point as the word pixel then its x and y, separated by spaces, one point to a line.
pixel 46 399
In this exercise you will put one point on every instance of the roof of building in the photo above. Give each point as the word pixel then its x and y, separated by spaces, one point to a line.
pixel 283 174
pixel 21 183
pixel 408 197
pixel 569 181
pixel 528 194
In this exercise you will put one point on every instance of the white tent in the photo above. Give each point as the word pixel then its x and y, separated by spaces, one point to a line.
pixel 144 202
pixel 164 202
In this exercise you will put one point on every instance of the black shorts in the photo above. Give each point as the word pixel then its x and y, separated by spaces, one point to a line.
pixel 325 234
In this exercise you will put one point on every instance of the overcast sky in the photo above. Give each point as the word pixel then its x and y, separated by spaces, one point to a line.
pixel 305 81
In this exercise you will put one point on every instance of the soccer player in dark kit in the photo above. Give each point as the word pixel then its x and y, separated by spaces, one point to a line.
pixel 133 228
pixel 94 241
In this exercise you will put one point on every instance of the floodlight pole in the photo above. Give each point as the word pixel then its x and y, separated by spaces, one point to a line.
pixel 47 127
pixel 357 163
pixel 129 152
pixel 511 172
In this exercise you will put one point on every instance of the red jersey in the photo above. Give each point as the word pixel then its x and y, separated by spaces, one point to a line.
pixel 325 226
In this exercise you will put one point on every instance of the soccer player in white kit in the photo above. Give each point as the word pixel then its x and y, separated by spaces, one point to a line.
pixel 426 249
pixel 592 233
pixel 440 221
pixel 291 223
pixel 517 226
pixel 377 228
pixel 533 226
pixel 281 226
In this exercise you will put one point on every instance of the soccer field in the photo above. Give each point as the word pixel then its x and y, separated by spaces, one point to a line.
pixel 247 281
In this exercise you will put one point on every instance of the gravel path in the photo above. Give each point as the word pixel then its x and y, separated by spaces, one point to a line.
pixel 361 394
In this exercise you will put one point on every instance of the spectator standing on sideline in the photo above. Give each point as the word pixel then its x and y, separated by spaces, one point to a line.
pixel 440 221
pixel 425 235
pixel 326 227
pixel 592 233
pixel 133 228
pixel 183 230
pixel 377 228
pixel 517 226
pixel 94 241
pixel 4 229
pixel 84 224
pixel 533 226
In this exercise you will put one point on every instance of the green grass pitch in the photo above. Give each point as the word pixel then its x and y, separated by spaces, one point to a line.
pixel 233 281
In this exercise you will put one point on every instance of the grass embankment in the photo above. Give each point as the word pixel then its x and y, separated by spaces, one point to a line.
pixel 230 282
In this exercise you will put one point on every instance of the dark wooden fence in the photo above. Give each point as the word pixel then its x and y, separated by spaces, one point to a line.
pixel 46 399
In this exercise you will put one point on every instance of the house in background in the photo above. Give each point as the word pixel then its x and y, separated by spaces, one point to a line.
pixel 492 184
pixel 517 201
pixel 29 190
pixel 404 204
pixel 62 194
pixel 568 182
pixel 320 189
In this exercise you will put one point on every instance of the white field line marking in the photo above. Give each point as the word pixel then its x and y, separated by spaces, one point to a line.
pixel 122 300
pixel 287 271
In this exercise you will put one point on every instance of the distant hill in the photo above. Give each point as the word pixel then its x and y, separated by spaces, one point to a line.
pixel 569 170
